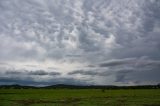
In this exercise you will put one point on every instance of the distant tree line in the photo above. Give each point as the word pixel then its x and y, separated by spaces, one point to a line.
pixel 63 86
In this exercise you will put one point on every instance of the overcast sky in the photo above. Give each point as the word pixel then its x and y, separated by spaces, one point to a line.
pixel 104 42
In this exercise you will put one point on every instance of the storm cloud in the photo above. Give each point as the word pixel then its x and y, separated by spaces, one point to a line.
pixel 117 42
pixel 35 72
pixel 91 72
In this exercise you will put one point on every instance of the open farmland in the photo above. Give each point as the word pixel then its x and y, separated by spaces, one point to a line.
pixel 79 97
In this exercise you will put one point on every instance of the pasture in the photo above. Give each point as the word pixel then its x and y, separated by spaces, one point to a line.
pixel 79 97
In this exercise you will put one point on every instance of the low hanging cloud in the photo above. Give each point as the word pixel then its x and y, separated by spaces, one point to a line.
pixel 36 72
pixel 38 78
pixel 135 62
pixel 91 73
pixel 117 62
pixel 45 82
pixel 127 71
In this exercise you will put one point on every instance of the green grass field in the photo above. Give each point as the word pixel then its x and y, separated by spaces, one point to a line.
pixel 79 97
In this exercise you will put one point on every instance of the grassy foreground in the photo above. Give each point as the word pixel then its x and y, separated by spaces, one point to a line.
pixel 79 97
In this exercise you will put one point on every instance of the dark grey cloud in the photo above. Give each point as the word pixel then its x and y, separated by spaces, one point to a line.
pixel 91 72
pixel 13 72
pixel 27 72
pixel 126 71
pixel 32 81
pixel 134 62
pixel 147 76
pixel 38 78
pixel 122 74
pixel 117 62
pixel 42 72
pixel 16 80
pixel 141 71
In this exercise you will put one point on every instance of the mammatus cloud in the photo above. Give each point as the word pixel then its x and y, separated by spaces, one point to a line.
pixel 118 41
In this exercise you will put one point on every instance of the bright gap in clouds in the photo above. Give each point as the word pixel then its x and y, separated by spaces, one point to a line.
pixel 45 42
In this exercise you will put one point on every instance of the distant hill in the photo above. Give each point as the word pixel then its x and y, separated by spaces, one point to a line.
pixel 16 86
pixel 61 86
